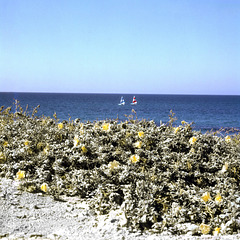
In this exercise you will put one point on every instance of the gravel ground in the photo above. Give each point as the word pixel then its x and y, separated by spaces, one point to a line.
pixel 26 215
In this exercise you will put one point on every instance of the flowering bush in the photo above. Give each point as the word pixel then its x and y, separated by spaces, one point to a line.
pixel 163 178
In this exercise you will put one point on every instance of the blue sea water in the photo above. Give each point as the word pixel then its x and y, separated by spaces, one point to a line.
pixel 207 112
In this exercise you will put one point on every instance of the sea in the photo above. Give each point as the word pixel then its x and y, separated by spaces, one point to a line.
pixel 207 112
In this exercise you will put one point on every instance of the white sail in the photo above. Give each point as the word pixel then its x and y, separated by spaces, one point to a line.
pixel 122 102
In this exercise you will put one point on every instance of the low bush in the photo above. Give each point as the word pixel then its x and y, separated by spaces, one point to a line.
pixel 162 178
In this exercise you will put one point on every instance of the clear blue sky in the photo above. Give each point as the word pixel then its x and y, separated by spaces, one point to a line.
pixel 127 46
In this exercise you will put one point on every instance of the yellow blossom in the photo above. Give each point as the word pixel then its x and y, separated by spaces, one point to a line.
pixel 192 140
pixel 113 165
pixel 218 198
pixel 60 125
pixel 84 149
pixel 5 143
pixel 138 144
pixel 141 134
pixel 75 141
pixel 228 139
pixel 183 122
pixel 26 143
pixel 44 187
pixel 204 228
pixel 134 158
pixel 106 127
pixel 216 231
pixel 225 167
pixel 206 196
pixel 20 175
pixel 176 130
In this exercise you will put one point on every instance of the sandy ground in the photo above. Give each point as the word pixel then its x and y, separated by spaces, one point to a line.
pixel 26 215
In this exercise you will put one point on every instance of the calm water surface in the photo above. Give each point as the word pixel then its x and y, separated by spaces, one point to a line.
pixel 207 112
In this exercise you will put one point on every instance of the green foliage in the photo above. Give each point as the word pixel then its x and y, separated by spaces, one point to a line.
pixel 155 174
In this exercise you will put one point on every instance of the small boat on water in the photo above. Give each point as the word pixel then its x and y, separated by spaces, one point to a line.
pixel 122 102
pixel 134 101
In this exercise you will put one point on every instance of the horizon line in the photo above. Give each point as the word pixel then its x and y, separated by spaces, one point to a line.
pixel 190 94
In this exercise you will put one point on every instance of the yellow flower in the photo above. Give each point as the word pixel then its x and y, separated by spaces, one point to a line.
pixel 60 125
pixel 228 139
pixel 75 141
pixel 20 175
pixel 113 165
pixel 26 143
pixel 106 127
pixel 206 196
pixel 5 144
pixel 225 167
pixel 216 231
pixel 84 149
pixel 176 130
pixel 44 187
pixel 134 158
pixel 183 122
pixel 204 228
pixel 138 144
pixel 218 198
pixel 192 140
pixel 141 134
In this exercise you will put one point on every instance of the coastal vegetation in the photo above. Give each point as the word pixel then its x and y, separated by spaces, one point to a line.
pixel 159 178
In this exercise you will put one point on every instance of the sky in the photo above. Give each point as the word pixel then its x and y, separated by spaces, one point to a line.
pixel 127 46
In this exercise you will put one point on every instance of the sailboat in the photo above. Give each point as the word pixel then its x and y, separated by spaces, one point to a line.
pixel 122 102
pixel 134 101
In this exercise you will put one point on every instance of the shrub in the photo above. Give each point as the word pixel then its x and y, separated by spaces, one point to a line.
pixel 162 177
